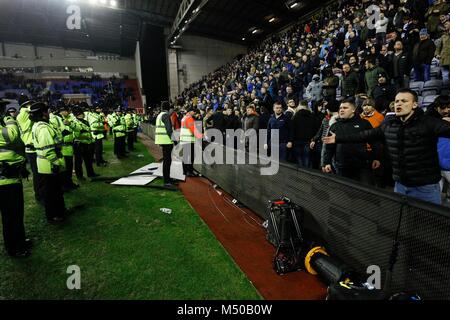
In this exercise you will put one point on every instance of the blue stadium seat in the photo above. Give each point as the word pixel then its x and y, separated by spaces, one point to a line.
pixel 416 86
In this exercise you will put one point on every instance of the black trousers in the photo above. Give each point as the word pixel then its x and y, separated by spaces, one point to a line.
pixel 83 153
pixel 135 134
pixel 167 161
pixel 11 208
pixel 52 193
pixel 188 158
pixel 363 175
pixel 98 147
pixel 130 140
pixel 119 146
pixel 31 158
pixel 66 176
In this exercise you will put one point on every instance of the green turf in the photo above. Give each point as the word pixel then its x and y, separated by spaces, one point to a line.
pixel 125 247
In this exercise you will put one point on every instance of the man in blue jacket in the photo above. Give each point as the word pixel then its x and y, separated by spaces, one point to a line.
pixel 279 121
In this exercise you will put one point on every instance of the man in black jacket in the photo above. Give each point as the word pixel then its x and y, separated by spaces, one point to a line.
pixel 352 160
pixel 423 54
pixel 400 67
pixel 304 125
pixel 411 139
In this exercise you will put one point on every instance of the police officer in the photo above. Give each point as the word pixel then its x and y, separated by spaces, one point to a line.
pixel 119 130
pixel 63 121
pixel 83 145
pixel 163 137
pixel 25 127
pixel 129 122
pixel 136 123
pixel 12 169
pixel 96 123
pixel 50 162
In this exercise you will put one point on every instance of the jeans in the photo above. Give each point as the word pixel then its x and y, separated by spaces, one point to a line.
pixel 302 154
pixel 445 178
pixel 429 193
pixel 422 72
pixel 445 73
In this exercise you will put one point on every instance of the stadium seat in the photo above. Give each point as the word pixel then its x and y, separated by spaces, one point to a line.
pixel 428 100
pixel 420 100
pixel 435 72
pixel 416 86
pixel 433 86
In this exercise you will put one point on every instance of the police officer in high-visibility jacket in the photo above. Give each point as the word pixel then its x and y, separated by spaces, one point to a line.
pixel 12 170
pixel 96 122
pixel 136 123
pixel 25 127
pixel 129 123
pixel 63 121
pixel 50 162
pixel 119 131
pixel 83 145
pixel 163 137
pixel 188 135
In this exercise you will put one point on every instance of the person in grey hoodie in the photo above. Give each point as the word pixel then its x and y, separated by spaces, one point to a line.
pixel 314 89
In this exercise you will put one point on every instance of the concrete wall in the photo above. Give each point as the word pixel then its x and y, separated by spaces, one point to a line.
pixel 198 57
pixel 29 56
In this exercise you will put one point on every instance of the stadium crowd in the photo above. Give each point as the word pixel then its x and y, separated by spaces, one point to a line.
pixel 340 72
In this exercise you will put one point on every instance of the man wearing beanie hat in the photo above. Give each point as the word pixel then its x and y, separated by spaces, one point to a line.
pixel 423 54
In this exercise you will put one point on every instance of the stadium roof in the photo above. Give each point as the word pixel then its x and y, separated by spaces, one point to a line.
pixel 115 25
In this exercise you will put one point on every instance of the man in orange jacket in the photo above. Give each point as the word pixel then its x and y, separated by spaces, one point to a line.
pixel 188 135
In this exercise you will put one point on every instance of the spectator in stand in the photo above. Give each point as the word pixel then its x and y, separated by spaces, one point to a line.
pixel 332 114
pixel 371 114
pixel 250 125
pixel 349 81
pixel 304 126
pixel 423 54
pixel 291 105
pixel 290 95
pixel 383 93
pixel 330 84
pixel 381 28
pixel 279 121
pixel 400 67
pixel 443 52
pixel 314 90
pixel 371 75
pixel 411 140
pixel 438 8
pixel 352 160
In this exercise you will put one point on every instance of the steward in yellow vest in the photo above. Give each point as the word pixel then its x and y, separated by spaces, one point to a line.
pixel 163 137
pixel 12 170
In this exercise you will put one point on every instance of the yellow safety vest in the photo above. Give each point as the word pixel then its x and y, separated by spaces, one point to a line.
pixel 161 135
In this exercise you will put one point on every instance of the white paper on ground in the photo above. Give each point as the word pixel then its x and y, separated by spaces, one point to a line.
pixel 176 170
pixel 135 181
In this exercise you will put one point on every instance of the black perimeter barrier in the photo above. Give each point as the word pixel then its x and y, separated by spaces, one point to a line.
pixel 357 224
